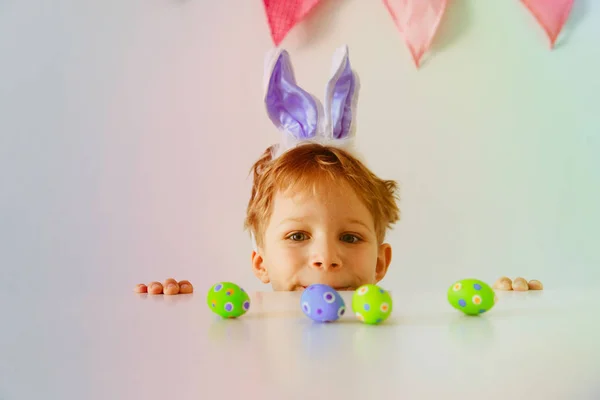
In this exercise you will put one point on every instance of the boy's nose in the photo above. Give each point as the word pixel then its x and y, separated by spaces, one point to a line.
pixel 326 258
pixel 325 265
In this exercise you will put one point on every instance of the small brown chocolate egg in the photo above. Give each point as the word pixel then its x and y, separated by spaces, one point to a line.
pixel 535 285
pixel 503 283
pixel 520 285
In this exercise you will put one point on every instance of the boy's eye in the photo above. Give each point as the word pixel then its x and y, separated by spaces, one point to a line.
pixel 348 238
pixel 297 237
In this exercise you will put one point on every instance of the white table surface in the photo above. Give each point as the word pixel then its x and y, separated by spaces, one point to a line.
pixel 535 345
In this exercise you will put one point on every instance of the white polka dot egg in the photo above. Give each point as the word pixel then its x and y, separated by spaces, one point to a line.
pixel 322 303
pixel 372 304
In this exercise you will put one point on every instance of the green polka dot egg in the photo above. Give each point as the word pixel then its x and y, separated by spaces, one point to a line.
pixel 471 296
pixel 228 300
pixel 371 304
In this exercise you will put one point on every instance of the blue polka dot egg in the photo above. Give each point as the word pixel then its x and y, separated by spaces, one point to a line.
pixel 471 296
pixel 322 303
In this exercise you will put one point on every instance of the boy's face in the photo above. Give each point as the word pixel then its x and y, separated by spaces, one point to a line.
pixel 325 238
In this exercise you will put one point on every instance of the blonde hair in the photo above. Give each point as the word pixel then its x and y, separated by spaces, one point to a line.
pixel 304 166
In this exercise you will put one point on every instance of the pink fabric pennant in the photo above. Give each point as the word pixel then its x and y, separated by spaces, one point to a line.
pixel 418 22
pixel 283 15
pixel 551 15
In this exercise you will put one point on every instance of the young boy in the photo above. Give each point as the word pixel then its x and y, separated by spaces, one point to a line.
pixel 316 213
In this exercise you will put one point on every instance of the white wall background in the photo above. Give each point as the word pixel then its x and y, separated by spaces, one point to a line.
pixel 127 130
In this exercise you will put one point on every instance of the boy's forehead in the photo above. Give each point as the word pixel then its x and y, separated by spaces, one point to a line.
pixel 334 198
pixel 320 191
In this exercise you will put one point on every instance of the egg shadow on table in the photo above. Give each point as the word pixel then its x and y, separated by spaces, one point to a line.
pixel 470 330
pixel 319 339
pixel 157 298
pixel 371 343
pixel 169 299
pixel 505 294
pixel 227 330
pixel 290 314
pixel 178 298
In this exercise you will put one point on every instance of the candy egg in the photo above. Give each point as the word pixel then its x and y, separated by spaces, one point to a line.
pixel 503 283
pixel 520 285
pixel 371 304
pixel 228 300
pixel 471 296
pixel 322 303
pixel 535 285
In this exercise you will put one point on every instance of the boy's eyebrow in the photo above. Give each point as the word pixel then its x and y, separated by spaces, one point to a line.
pixel 297 219
pixel 359 222
pixel 303 219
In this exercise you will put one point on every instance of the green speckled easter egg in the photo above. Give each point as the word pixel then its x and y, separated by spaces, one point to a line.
pixel 371 304
pixel 471 296
pixel 228 300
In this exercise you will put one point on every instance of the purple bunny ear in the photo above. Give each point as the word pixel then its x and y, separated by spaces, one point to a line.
pixel 341 96
pixel 291 108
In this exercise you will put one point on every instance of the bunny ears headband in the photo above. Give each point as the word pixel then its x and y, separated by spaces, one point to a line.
pixel 299 115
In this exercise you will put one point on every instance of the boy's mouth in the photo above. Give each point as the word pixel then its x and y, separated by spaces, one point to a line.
pixel 339 289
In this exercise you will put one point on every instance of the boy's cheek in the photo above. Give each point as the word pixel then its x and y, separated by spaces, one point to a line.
pixel 287 256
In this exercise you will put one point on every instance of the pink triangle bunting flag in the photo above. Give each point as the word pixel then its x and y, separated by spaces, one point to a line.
pixel 418 22
pixel 551 15
pixel 283 15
